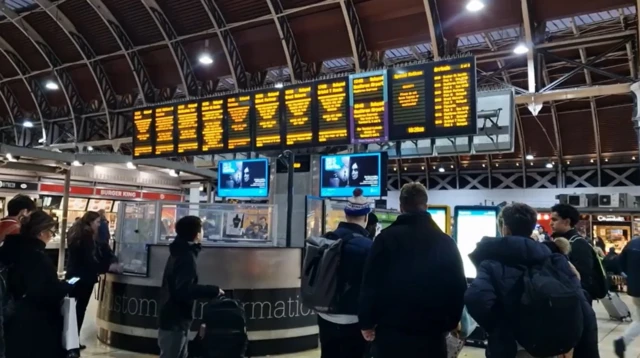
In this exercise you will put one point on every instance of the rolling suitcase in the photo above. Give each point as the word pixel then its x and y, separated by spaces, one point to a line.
pixel 616 308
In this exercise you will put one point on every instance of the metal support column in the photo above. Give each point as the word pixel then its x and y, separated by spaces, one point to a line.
pixel 63 224
pixel 291 160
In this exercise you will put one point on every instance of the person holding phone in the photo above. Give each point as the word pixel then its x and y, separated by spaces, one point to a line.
pixel 89 257
pixel 34 327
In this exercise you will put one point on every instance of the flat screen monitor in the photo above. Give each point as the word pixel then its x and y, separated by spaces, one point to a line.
pixel 472 223
pixel 341 174
pixel 439 215
pixel 247 178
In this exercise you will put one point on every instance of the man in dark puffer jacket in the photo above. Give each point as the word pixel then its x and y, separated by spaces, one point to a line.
pixel 496 260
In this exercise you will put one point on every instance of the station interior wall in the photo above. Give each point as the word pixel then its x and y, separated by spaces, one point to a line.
pixel 537 198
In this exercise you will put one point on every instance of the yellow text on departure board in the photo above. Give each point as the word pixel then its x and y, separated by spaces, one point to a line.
pixel 187 120
pixel 212 124
pixel 332 98
pixel 452 92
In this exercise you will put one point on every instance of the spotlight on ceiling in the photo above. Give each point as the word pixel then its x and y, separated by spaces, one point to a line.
pixel 10 157
pixel 27 124
pixel 41 140
pixel 50 85
pixel 549 165
pixel 521 49
pixel 279 85
pixel 441 170
pixel 174 173
pixel 90 148
pixel 475 5
pixel 76 163
pixel 529 157
pixel 205 59
pixel 131 165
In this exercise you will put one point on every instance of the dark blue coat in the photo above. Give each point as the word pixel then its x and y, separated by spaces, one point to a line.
pixel 352 260
pixel 630 264
pixel 496 260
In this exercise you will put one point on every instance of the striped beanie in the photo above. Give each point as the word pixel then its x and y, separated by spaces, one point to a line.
pixel 357 205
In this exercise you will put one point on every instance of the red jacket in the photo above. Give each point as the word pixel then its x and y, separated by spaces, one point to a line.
pixel 8 226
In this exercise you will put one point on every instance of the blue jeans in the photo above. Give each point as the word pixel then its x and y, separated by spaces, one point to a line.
pixel 173 344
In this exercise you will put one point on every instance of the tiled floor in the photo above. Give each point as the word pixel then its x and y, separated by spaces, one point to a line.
pixel 608 331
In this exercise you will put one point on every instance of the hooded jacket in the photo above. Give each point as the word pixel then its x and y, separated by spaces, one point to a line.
pixel 180 286
pixel 414 281
pixel 34 329
pixel 496 260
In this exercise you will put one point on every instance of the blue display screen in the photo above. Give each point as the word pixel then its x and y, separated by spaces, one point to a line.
pixel 243 178
pixel 341 174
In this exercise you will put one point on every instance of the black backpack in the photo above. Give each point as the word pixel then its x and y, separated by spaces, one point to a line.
pixel 600 284
pixel 548 318
pixel 319 285
pixel 226 329
pixel 8 304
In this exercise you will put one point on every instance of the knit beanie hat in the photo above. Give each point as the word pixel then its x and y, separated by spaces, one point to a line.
pixel 357 205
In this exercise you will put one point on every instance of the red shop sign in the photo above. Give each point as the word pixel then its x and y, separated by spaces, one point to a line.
pixel 161 196
pixel 117 193
pixel 73 190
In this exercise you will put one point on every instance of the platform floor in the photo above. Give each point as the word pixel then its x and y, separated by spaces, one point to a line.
pixel 608 331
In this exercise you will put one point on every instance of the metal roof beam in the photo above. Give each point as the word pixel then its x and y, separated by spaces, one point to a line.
pixel 356 37
pixel 145 86
pixel 554 117
pixel 9 100
pixel 74 102
pixel 185 71
pixel 236 66
pixel 438 42
pixel 107 94
pixel 574 93
pixel 528 36
pixel 289 45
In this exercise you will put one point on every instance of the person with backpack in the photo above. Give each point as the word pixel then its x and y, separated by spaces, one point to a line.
pixel 19 207
pixel 339 330
pixel 629 262
pixel 413 286
pixel 180 289
pixel 564 218
pixel 527 298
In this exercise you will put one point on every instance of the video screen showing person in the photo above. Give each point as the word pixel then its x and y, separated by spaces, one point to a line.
pixel 340 174
pixel 243 178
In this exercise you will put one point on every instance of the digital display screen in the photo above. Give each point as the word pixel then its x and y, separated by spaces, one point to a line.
pixel 333 125
pixel 471 225
pixel 368 107
pixel 439 216
pixel 454 97
pixel 341 174
pixel 187 124
pixel 298 117
pixel 212 126
pixel 142 142
pixel 164 123
pixel 408 117
pixel 243 178
pixel 239 120
pixel 267 127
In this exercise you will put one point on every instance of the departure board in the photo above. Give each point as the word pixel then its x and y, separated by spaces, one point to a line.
pixel 142 140
pixel 212 125
pixel 267 131
pixel 187 125
pixel 368 107
pixel 238 123
pixel 164 118
pixel 333 124
pixel 454 97
pixel 298 116
pixel 408 115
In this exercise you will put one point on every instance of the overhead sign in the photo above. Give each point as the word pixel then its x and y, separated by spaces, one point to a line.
pixel 612 218
pixel 15 185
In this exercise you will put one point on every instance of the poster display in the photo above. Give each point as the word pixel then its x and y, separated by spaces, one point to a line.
pixel 341 174
pixel 243 178
pixel 471 225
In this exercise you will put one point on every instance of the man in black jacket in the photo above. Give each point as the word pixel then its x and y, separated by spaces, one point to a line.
pixel 630 265
pixel 180 289
pixel 413 289
pixel 564 218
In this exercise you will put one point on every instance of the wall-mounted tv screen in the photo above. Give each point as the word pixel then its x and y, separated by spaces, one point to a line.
pixel 341 174
pixel 472 223
pixel 439 215
pixel 247 178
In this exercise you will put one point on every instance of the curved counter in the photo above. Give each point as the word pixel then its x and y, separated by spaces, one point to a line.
pixel 265 279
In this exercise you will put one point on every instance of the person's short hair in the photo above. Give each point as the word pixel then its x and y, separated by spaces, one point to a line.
pixel 372 220
pixel 188 227
pixel 566 211
pixel 36 223
pixel 413 197
pixel 20 202
pixel 519 218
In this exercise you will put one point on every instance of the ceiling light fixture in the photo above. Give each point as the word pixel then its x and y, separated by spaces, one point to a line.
pixel 529 157
pixel 50 85
pixel 27 124
pixel 205 59
pixel 441 170
pixel 41 140
pixel 174 173
pixel 131 165
pixel 633 158
pixel 475 5
pixel 278 85
pixel 76 163
pixel 521 49
pixel 549 165
pixel 90 148
pixel 10 157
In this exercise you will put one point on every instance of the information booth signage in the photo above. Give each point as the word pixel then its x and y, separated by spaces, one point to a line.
pixel 113 193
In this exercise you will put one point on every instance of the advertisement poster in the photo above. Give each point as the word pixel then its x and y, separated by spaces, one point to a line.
pixel 243 178
pixel 341 174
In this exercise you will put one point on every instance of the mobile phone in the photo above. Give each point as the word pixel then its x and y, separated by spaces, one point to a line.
pixel 73 280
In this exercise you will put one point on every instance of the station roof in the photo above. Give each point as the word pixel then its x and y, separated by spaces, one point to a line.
pixel 100 46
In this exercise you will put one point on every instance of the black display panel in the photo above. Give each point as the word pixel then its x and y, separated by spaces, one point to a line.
pixel 187 128
pixel 267 128
pixel 408 112
pixel 239 122
pixel 368 107
pixel 213 125
pixel 142 133
pixel 333 124
pixel 164 124
pixel 299 116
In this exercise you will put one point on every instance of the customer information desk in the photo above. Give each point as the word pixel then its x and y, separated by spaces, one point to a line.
pixel 265 278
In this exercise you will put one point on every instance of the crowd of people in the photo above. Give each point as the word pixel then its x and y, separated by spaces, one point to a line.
pixel 404 293
pixel 32 291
